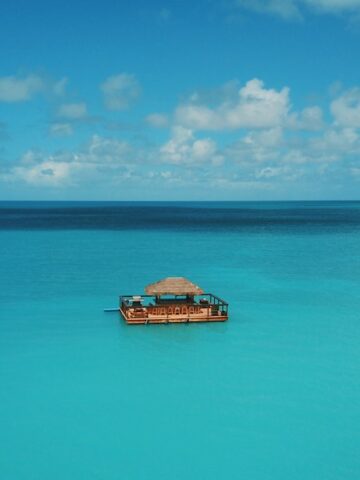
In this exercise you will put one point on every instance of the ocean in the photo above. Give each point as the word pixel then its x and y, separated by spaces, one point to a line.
pixel 274 393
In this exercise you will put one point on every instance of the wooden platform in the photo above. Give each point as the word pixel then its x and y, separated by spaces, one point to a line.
pixel 143 309
pixel 132 319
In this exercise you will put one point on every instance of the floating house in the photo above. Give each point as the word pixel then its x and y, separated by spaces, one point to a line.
pixel 173 300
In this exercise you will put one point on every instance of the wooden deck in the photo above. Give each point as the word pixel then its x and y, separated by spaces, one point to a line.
pixel 207 309
pixel 132 317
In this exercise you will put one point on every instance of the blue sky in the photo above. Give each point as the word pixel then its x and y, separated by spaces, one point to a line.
pixel 206 100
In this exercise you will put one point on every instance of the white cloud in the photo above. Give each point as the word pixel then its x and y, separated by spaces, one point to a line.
pixel 273 145
pixel 346 109
pixel 23 88
pixel 106 151
pixel 238 184
pixel 61 129
pixel 17 89
pixel 100 156
pixel 296 9
pixel 183 148
pixel 254 107
pixel 286 9
pixel 46 173
pixel 73 111
pixel 333 6
pixel 120 91
pixel 157 120
pixel 300 155
pixel 311 118
pixel 283 173
pixel 336 143
pixel 257 146
pixel 274 155
pixel 169 178
pixel 250 107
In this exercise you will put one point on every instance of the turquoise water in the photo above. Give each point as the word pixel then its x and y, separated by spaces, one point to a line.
pixel 273 393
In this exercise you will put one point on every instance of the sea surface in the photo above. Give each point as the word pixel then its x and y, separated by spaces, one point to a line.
pixel 274 393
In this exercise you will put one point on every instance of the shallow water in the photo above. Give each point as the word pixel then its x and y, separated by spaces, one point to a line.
pixel 273 393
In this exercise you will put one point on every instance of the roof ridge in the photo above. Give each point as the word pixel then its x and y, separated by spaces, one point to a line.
pixel 173 286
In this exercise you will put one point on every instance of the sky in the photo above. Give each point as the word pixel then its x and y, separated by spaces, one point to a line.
pixel 181 100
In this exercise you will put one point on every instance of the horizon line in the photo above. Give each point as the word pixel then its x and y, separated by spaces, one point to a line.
pixel 180 201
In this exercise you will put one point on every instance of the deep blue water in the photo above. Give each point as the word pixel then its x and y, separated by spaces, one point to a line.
pixel 274 393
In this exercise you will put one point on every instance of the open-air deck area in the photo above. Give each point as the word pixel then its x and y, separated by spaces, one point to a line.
pixel 173 300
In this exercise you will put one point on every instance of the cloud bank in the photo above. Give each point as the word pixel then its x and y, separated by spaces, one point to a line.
pixel 254 107
pixel 234 138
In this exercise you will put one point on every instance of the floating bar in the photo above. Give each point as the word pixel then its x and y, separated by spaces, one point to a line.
pixel 173 300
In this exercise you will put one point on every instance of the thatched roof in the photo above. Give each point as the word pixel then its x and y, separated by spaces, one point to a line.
pixel 173 286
